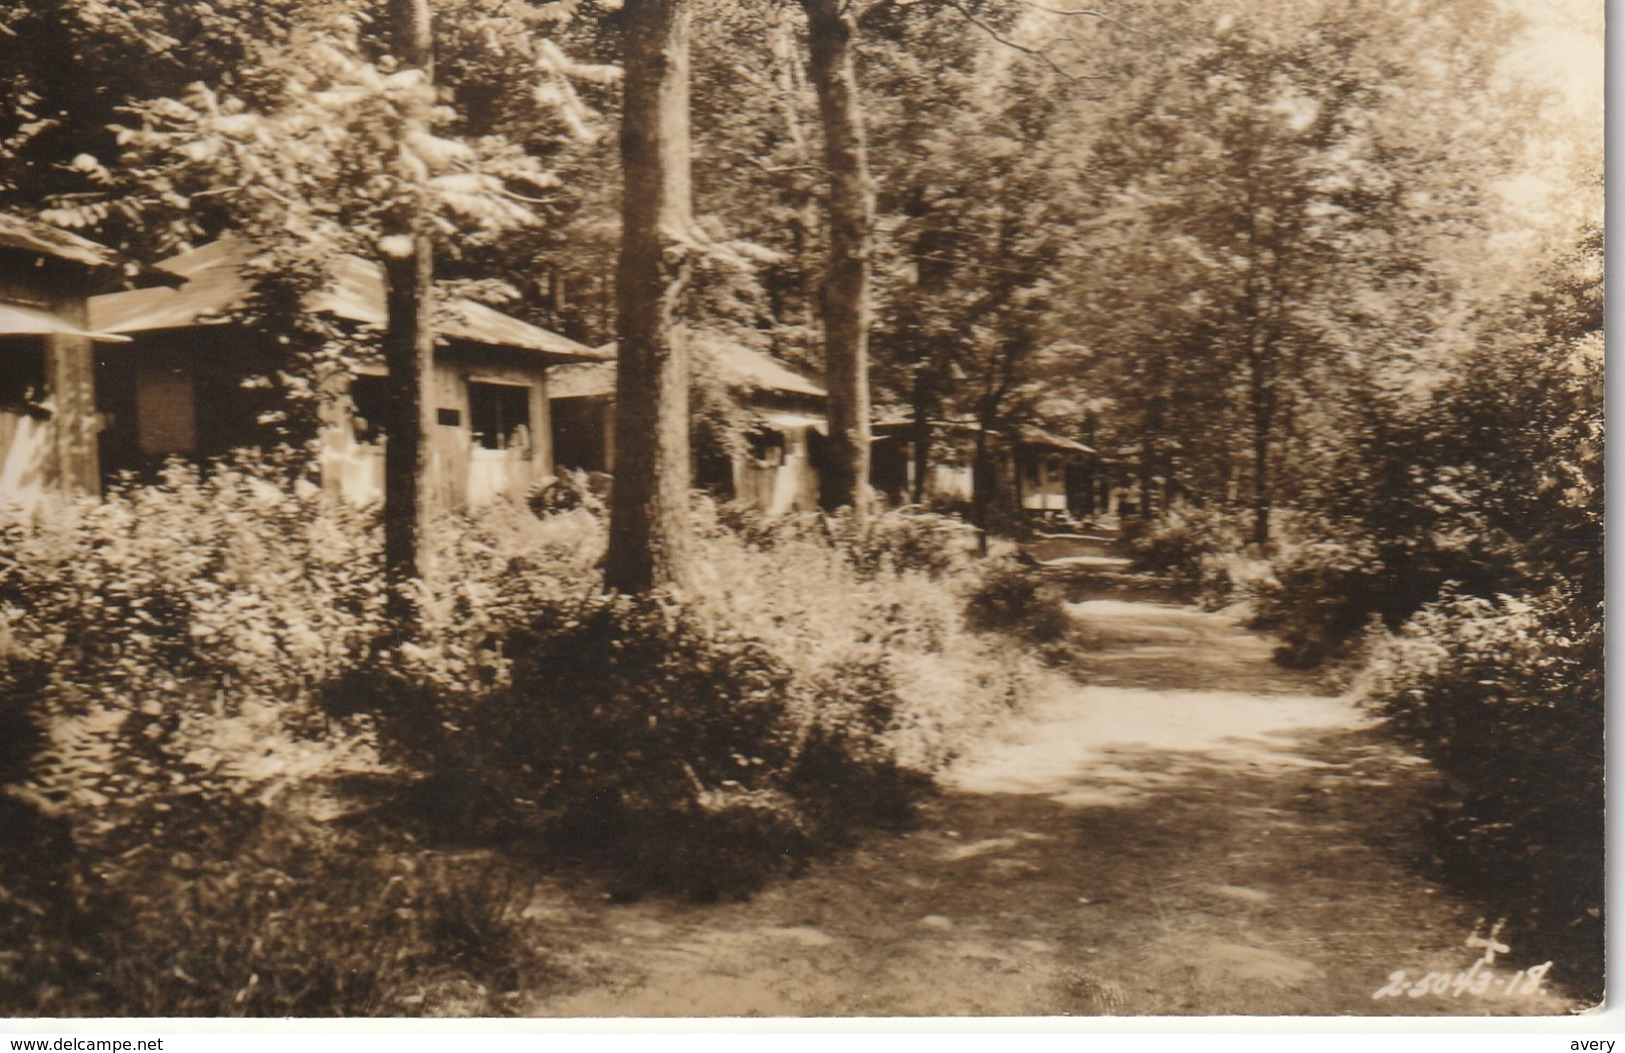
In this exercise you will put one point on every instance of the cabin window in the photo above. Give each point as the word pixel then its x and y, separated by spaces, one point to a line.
pixel 766 447
pixel 499 415
pixel 22 374
pixel 369 395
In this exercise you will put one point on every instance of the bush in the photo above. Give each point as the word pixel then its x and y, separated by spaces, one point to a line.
pixel 1177 543
pixel 1505 697
pixel 279 920
pixel 163 658
pixel 1320 596
pixel 232 584
pixel 572 489
pixel 645 735
pixel 1226 578
pixel 698 743
pixel 1011 597
pixel 891 542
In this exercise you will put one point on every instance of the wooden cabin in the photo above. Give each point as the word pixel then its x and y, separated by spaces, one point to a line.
pixel 778 472
pixel 48 412
pixel 1034 472
pixel 1049 473
pixel 178 387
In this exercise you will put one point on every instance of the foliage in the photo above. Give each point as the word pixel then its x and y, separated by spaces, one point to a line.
pixel 1016 598
pixel 186 661
pixel 644 728
pixel 1505 696
pixel 569 490
pixel 280 918
pixel 698 743
pixel 156 634
pixel 1498 677
pixel 1321 594
pixel 1179 542
pixel 164 655
pixel 1285 196
pixel 886 543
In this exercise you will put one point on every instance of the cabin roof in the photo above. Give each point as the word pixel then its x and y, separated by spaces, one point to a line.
pixel 1029 435
pixel 216 282
pixel 33 236
pixel 1025 435
pixel 740 366
pixel 757 370
pixel 582 380
pixel 23 320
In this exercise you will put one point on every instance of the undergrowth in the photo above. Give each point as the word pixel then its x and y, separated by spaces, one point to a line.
pixel 194 674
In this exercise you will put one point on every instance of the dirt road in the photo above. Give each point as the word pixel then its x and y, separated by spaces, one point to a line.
pixel 1194 832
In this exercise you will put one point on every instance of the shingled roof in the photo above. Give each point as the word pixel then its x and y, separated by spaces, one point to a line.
pixel 217 282
pixel 740 366
pixel 42 239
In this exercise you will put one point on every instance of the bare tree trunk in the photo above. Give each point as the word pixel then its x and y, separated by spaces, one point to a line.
pixel 1261 413
pixel 831 35
pixel 408 346
pixel 921 453
pixel 1147 467
pixel 649 519
pixel 982 483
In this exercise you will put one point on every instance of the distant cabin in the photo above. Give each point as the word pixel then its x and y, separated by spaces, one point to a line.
pixel 779 470
pixel 1034 472
pixel 49 419
pixel 178 387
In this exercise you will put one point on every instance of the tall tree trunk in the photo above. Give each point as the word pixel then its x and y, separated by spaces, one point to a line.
pixel 921 451
pixel 649 520
pixel 408 346
pixel 1147 463
pixel 832 38
pixel 1261 412
pixel 983 480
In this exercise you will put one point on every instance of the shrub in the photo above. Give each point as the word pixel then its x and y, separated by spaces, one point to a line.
pixel 1177 543
pixel 905 540
pixel 570 490
pixel 1505 697
pixel 891 542
pixel 1319 597
pixel 699 742
pixel 1015 598
pixel 651 736
pixel 282 919
pixel 163 654
pixel 846 771
pixel 1226 578
pixel 232 582
pixel 646 736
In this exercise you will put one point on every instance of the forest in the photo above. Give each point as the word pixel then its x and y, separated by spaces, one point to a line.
pixel 1319 285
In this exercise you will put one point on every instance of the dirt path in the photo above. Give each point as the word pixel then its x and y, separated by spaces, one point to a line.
pixel 1195 832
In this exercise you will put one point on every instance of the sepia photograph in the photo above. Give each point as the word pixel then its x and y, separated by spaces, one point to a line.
pixel 801 509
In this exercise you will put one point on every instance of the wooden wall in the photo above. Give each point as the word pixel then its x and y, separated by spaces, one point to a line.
pixel 789 483
pixel 462 473
pixel 53 448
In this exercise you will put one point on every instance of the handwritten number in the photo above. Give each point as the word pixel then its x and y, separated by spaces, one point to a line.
pixel 1531 983
pixel 1393 987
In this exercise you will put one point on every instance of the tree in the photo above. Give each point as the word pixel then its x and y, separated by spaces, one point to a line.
pixel 1289 186
pixel 649 520
pixel 407 254
pixel 844 297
